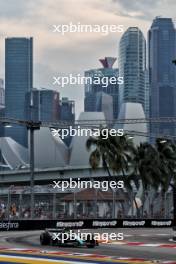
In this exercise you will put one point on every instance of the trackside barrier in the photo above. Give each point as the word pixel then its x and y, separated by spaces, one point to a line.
pixel 20 225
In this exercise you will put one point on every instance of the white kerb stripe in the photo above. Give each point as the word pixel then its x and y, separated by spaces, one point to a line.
pixel 43 259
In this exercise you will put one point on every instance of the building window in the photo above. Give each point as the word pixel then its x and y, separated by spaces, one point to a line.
pixel 165 34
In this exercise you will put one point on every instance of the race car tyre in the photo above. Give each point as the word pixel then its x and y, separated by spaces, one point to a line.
pixel 76 244
pixel 51 242
pixel 43 241
pixel 90 246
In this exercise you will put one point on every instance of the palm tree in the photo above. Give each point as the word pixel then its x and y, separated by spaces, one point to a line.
pixel 155 166
pixel 174 190
pixel 167 154
pixel 115 154
pixel 146 165
pixel 152 165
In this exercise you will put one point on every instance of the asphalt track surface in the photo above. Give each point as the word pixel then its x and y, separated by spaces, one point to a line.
pixel 152 237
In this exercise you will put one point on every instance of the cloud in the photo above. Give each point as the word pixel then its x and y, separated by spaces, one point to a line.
pixel 138 4
pixel 73 53
pixel 15 9
pixel 141 9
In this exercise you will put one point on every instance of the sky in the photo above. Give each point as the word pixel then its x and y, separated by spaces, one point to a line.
pixel 57 55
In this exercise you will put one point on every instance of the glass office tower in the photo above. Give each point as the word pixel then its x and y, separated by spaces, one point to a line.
pixel 91 89
pixel 18 81
pixel 43 105
pixel 2 106
pixel 104 103
pixel 67 113
pixel 162 73
pixel 66 109
pixel 132 66
pixel 147 88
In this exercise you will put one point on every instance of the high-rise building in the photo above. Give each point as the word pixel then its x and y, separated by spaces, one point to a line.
pixel 67 113
pixel 2 106
pixel 2 94
pixel 111 89
pixel 18 81
pixel 147 88
pixel 67 109
pixel 43 105
pixel 104 103
pixel 162 73
pixel 132 66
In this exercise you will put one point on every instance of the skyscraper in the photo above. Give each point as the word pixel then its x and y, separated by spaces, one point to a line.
pixel 132 66
pixel 147 101
pixel 111 89
pixel 104 103
pixel 43 105
pixel 2 106
pixel 2 94
pixel 18 81
pixel 162 73
pixel 67 109
pixel 67 113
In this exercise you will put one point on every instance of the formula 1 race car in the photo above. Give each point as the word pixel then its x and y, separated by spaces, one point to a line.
pixel 63 237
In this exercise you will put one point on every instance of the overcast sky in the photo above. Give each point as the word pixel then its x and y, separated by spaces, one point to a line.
pixel 73 53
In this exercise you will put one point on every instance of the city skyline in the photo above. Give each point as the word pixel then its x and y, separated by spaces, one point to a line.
pixel 124 34
pixel 53 54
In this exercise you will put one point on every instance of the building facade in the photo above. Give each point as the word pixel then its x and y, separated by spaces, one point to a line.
pixel 104 103
pixel 132 66
pixel 43 105
pixel 67 113
pixel 67 109
pixel 91 89
pixel 162 74
pixel 2 93
pixel 2 108
pixel 147 89
pixel 18 81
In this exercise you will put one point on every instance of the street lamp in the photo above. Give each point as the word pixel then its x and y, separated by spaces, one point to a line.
pixel 32 126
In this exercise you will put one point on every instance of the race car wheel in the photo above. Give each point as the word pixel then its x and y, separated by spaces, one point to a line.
pixel 51 242
pixel 76 244
pixel 43 241
pixel 90 246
